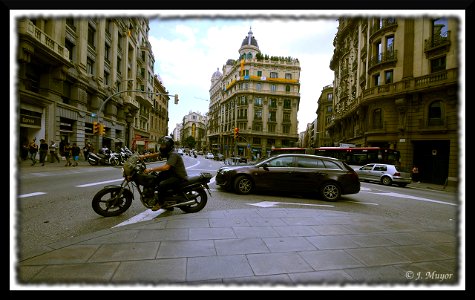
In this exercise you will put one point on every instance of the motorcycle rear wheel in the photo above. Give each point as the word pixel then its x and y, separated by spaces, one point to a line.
pixel 108 202
pixel 200 197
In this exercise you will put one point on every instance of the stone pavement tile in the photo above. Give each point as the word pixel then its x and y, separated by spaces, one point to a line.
pixel 122 236
pixel 274 213
pixel 371 240
pixel 174 234
pixel 295 230
pixel 240 246
pixel 331 229
pixel 378 275
pixel 123 252
pixel 301 220
pixel 288 244
pixel 402 238
pixel 211 233
pixel 277 263
pixel 177 249
pixel 377 256
pixel 228 222
pixel 329 259
pixel 418 253
pixel 365 228
pixel 257 232
pixel 264 281
pixel 68 255
pixel 76 273
pixel 26 273
pixel 187 223
pixel 450 249
pixel 264 221
pixel 217 267
pixel 163 271
pixel 436 236
pixel 324 242
pixel 321 277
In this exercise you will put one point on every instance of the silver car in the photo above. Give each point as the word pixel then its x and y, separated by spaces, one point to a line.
pixel 385 174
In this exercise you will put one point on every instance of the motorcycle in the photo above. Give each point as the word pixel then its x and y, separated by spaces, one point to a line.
pixel 104 157
pixel 124 154
pixel 113 200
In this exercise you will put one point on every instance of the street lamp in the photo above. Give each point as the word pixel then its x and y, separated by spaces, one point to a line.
pixel 125 91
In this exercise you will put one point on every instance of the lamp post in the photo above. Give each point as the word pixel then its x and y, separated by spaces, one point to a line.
pixel 125 91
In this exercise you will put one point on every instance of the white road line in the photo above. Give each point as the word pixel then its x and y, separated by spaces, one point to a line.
pixel 97 183
pixel 364 203
pixel 31 195
pixel 271 204
pixel 145 216
pixel 414 198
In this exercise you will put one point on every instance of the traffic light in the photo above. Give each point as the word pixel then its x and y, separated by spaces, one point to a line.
pixel 95 127
pixel 236 133
pixel 176 98
pixel 101 129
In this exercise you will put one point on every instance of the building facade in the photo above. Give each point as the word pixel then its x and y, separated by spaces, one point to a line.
pixel 259 95
pixel 396 86
pixel 321 136
pixel 73 72
pixel 194 125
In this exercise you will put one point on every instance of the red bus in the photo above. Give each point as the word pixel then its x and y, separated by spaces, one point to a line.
pixel 352 155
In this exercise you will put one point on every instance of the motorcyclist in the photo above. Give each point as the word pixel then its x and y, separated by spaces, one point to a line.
pixel 171 173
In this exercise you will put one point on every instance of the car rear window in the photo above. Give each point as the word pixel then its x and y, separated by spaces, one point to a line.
pixel 332 165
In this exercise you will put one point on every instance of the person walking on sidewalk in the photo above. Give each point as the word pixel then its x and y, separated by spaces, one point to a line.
pixel 43 151
pixel 415 174
pixel 67 153
pixel 33 149
pixel 53 152
pixel 75 151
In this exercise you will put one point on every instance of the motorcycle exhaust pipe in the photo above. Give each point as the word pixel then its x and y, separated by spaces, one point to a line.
pixel 181 204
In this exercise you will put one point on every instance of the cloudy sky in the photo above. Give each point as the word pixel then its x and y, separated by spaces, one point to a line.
pixel 188 51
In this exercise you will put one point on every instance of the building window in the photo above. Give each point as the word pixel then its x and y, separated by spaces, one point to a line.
pixel 285 128
pixel 288 76
pixel 91 37
pixel 273 87
pixel 439 28
pixel 258 115
pixel 106 78
pixel 435 113
pixel 377 79
pixel 272 116
pixel 90 66
pixel 256 141
pixel 258 86
pixel 119 65
pixel 70 46
pixel 243 100
pixel 388 76
pixel 390 44
pixel 377 119
pixel 258 102
pixel 273 103
pixel 106 52
pixel 437 64
pixel 257 126
pixel 286 117
pixel 378 52
pixel 271 128
pixel 273 75
pixel 330 96
pixel 270 142
pixel 329 109
pixel 287 88
pixel 259 73
pixel 287 103
pixel 70 23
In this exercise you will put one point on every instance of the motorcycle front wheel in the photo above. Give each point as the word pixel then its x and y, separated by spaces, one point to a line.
pixel 109 202
pixel 200 198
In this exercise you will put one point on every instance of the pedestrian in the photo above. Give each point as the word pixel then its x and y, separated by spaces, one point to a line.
pixel 86 150
pixel 75 151
pixel 33 149
pixel 415 174
pixel 67 153
pixel 53 152
pixel 43 151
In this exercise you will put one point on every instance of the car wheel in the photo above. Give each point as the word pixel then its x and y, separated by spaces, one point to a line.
pixel 243 185
pixel 330 191
pixel 386 180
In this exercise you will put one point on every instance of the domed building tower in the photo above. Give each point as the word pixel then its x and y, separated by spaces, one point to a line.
pixel 258 96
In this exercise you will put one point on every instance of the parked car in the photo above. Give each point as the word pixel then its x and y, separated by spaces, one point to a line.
pixel 209 155
pixel 386 174
pixel 326 177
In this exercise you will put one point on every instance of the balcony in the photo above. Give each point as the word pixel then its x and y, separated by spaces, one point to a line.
pixel 437 44
pixel 382 60
pixel 28 29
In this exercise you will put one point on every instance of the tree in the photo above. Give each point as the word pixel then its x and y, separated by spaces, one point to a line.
pixel 189 142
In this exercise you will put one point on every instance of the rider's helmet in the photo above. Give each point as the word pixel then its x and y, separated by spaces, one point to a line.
pixel 166 145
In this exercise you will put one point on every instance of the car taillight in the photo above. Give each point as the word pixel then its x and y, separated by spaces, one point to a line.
pixel 397 174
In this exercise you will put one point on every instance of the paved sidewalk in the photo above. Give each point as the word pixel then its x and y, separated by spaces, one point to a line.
pixel 254 248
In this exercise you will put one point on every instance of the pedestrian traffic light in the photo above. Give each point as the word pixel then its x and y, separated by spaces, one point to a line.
pixel 95 127
pixel 101 129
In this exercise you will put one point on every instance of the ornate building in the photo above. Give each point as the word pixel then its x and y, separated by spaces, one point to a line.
pixel 396 85
pixel 258 94
pixel 194 125
pixel 321 136
pixel 73 72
